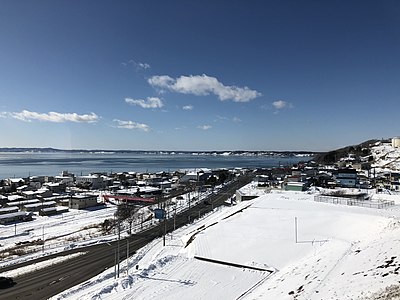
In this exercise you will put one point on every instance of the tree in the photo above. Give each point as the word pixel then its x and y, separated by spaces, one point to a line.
pixel 127 212
pixel 222 176
pixel 212 180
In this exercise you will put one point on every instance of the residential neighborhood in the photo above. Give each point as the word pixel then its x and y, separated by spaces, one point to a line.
pixel 23 198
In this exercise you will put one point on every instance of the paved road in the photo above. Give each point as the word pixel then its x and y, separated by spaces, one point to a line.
pixel 50 281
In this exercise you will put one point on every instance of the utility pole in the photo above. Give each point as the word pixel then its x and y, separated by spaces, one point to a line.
pixel 165 223
pixel 115 263
pixel 127 257
pixel 43 239
pixel 197 186
pixel 190 195
pixel 175 218
pixel 119 238
pixel 165 230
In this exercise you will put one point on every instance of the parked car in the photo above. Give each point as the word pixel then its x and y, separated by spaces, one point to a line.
pixel 6 282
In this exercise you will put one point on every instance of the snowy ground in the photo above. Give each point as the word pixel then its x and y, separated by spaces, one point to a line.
pixel 59 232
pixel 386 157
pixel 76 228
pixel 341 252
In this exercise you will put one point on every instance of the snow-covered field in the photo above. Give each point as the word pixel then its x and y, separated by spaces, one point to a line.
pixel 249 251
pixel 60 233
pixel 76 228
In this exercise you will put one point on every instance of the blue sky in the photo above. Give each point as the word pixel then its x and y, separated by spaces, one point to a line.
pixel 198 75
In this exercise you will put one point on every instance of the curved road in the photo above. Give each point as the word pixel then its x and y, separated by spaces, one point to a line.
pixel 50 281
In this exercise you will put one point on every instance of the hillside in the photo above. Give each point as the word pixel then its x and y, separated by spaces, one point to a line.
pixel 361 150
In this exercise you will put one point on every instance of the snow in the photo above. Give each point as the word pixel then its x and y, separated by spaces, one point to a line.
pixel 341 252
pixel 61 232
pixel 40 265
pixel 69 230
pixel 386 157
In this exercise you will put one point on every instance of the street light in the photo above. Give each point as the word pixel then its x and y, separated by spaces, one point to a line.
pixel 115 261
pixel 43 239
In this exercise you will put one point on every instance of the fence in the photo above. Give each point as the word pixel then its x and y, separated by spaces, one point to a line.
pixel 354 202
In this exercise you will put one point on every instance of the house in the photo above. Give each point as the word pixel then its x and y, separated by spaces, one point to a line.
pixel 310 171
pixel 347 177
pixel 22 203
pixel 34 207
pixel 394 179
pixel 36 182
pixel 28 194
pixel 8 210
pixel 43 193
pixel 15 181
pixel 14 198
pixel 15 217
pixel 295 178
pixel 242 196
pixel 67 180
pixel 396 142
pixel 295 186
pixel 55 187
pixel 49 211
pixel 93 182
pixel 82 201
pixel 262 180
pixel 3 200
pixel 199 177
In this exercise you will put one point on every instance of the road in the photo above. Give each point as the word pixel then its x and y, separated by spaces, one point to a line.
pixel 50 281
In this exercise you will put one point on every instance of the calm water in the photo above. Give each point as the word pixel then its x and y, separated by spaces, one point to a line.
pixel 29 164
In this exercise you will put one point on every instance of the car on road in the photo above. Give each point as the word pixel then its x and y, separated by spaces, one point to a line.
pixel 6 282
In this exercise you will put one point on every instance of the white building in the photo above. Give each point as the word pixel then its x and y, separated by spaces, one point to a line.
pixel 82 201
pixel 396 142
pixel 67 180
pixel 94 181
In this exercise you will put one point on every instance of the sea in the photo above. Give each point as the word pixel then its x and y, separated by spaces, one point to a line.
pixel 24 164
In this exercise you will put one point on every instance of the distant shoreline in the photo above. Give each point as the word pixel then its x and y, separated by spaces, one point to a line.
pixel 160 152
pixel 24 163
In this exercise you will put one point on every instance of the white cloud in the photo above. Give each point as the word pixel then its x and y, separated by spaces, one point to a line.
pixel 236 120
pixel 204 127
pixel 280 104
pixel 187 107
pixel 202 85
pixel 131 125
pixel 163 81
pixel 143 65
pixel 138 65
pixel 150 102
pixel 28 116
pixel 222 118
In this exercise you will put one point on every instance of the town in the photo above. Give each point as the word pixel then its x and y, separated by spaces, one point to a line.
pixel 375 170
pixel 44 215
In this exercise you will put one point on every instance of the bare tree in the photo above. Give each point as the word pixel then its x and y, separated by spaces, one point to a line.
pixel 127 212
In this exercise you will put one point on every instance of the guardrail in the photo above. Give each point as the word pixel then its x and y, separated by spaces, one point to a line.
pixel 354 202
